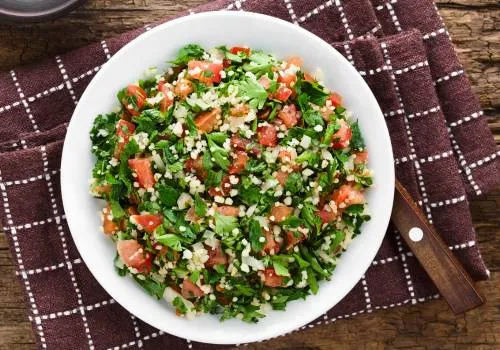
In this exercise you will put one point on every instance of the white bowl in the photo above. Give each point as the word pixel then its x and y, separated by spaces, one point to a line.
pixel 156 47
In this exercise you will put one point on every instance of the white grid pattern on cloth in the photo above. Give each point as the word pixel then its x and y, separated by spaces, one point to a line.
pixel 416 163
pixel 34 223
pixel 456 148
pixel 409 281
pixel 23 101
pixel 76 310
pixel 463 163
pixel 28 180
pixel 66 79
pixel 448 76
pixel 64 246
pixel 348 30
pixel 484 160
pixel 368 300
pixel 427 159
pixel 458 246
pixel 315 11
pixel 20 262
pixel 51 267
pixel 105 49
pixel 466 119
pixel 153 335
pixel 393 16
pixel 137 332
pixel 134 342
pixel 291 11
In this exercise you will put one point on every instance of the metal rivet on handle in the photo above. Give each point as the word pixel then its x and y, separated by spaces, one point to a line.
pixel 416 234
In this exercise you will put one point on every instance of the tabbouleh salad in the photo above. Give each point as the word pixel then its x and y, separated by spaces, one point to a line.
pixel 233 181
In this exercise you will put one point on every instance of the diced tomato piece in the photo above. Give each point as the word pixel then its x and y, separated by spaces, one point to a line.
pixel 206 121
pixel 142 167
pixel 168 99
pixel 140 99
pixel 190 290
pixel 281 176
pixel 183 88
pixel 289 115
pixel 226 63
pixel 271 244
pixel 348 195
pixel 287 156
pixel 283 93
pixel 216 256
pixel 239 143
pixel 342 137
pixel 133 255
pixel 149 222
pixel 335 99
pixel 295 60
pixel 204 71
pixel 124 130
pixel 237 49
pixel 293 238
pixel 267 136
pixel 108 225
pixel 288 80
pixel 271 279
pixel 228 210
pixel 326 216
pixel 223 189
pixel 280 213
pixel 195 166
pixel 265 82
pixel 239 163
pixel 361 157
pixel 239 110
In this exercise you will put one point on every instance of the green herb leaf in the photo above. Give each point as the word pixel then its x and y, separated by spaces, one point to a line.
pixel 251 91
pixel 225 224
pixel 357 142
pixel 294 183
pixel 312 281
pixel 254 234
pixel 280 269
pixel 168 195
pixel 152 287
pixel 313 118
pixel 170 240
pixel 195 275
pixel 188 53
pixel 250 195
pixel 200 207
pixel 116 210
pixel 178 303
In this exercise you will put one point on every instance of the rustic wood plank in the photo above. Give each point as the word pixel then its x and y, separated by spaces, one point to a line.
pixel 473 25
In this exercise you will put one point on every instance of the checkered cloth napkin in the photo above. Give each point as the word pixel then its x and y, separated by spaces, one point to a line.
pixel 444 154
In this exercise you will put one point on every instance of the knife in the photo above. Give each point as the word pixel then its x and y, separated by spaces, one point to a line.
pixel 449 276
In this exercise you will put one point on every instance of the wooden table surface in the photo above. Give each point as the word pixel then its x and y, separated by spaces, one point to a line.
pixel 474 26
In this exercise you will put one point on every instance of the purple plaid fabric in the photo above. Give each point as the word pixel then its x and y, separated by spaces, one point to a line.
pixel 444 154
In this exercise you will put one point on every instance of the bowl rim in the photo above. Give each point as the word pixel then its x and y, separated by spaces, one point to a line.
pixel 385 216
pixel 43 15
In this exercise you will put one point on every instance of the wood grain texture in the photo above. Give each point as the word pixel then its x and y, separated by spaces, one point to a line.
pixel 453 282
pixel 474 26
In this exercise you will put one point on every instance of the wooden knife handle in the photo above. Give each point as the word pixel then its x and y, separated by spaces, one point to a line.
pixel 450 278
